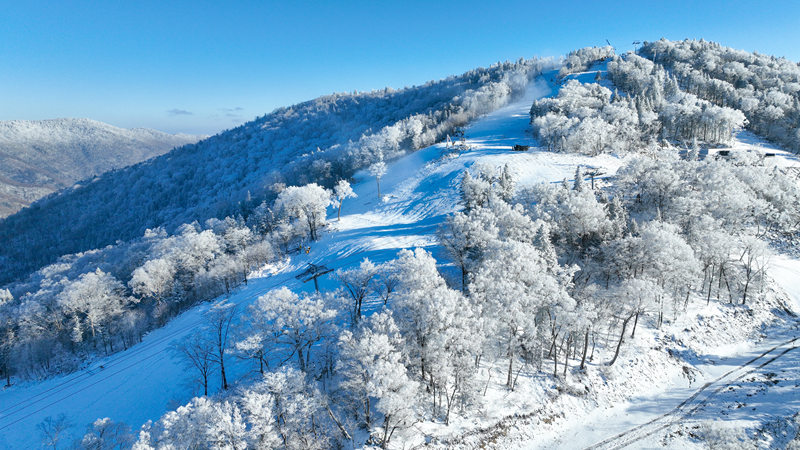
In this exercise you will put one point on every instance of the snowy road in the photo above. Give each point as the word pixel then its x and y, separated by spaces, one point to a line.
pixel 699 400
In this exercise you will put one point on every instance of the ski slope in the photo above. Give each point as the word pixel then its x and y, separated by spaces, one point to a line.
pixel 419 190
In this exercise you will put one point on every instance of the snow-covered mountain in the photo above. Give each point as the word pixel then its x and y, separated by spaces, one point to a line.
pixel 588 266
pixel 321 140
pixel 38 157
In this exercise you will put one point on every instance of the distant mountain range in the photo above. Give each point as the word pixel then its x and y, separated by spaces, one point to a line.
pixel 38 157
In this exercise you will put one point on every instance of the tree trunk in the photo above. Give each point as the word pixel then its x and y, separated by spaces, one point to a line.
pixel 385 440
pixel 635 321
pixel 686 303
pixel 510 379
pixel 300 359
pixel 621 338
pixel 585 349
pixel 555 361
pixel 222 375
pixel 450 399
pixel 710 283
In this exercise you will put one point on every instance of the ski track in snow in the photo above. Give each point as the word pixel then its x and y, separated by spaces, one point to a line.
pixel 420 190
pixel 700 399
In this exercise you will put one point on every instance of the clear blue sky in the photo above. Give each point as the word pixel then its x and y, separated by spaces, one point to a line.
pixel 200 66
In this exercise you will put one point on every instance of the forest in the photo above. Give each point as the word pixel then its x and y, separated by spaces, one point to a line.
pixel 764 88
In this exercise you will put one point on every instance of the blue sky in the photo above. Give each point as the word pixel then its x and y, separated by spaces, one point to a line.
pixel 202 66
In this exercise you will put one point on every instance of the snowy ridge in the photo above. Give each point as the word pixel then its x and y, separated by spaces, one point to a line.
pixel 38 157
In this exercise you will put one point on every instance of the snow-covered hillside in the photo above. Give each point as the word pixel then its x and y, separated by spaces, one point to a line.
pixel 319 141
pixel 145 381
pixel 38 157
pixel 715 344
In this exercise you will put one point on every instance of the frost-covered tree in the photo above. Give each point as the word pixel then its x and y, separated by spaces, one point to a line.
pixel 357 282
pixel 105 434
pixel 754 258
pixel 284 411
pixel 52 430
pixel 634 297
pixel 577 219
pixel 342 191
pixel 441 330
pixel 465 236
pixel 202 423
pixel 95 299
pixel 293 324
pixel 5 296
pixel 154 279
pixel 219 318
pixel 378 170
pixel 374 376
pixel 514 288
pixel 306 204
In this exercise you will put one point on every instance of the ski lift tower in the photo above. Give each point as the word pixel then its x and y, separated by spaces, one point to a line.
pixel 313 272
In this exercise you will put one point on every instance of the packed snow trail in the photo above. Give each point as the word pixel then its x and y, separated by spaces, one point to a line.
pixel 420 190
pixel 698 400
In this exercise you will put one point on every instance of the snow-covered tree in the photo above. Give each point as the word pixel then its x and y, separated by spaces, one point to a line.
pixel 440 327
pixel 342 191
pixel 154 279
pixel 202 423
pixel 296 323
pixel 635 297
pixel 514 288
pixel 52 430
pixel 306 204
pixel 378 170
pixel 284 411
pixel 5 296
pixel 219 318
pixel 465 236
pixel 105 434
pixel 374 376
pixel 357 282
pixel 755 258
pixel 96 298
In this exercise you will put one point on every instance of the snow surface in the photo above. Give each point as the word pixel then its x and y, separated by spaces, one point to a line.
pixel 420 189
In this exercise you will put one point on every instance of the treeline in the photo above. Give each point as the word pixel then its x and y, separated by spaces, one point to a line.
pixel 319 141
pixel 765 88
pixel 580 60
pixel 104 300
pixel 590 119
pixel 555 280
